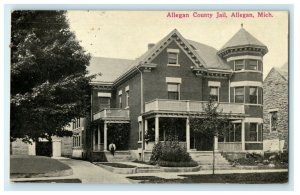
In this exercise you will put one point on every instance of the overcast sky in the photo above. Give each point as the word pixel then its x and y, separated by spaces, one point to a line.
pixel 125 34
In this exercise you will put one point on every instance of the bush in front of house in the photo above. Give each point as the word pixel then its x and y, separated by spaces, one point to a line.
pixel 171 154
pixel 277 160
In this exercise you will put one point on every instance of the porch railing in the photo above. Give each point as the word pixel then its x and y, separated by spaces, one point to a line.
pixel 190 106
pixel 112 113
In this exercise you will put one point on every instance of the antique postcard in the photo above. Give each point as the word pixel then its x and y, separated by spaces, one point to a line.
pixel 120 97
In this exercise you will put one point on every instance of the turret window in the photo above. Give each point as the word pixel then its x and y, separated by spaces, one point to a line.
pixel 253 95
pixel 239 65
pixel 239 95
pixel 253 65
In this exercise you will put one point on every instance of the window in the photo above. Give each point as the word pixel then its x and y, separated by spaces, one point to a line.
pixel 239 65
pixel 173 91
pixel 253 132
pixel 214 93
pixel 173 57
pixel 234 134
pixel 127 96
pixel 253 65
pixel 127 99
pixel 239 95
pixel 253 95
pixel 104 102
pixel 273 121
pixel 76 123
pixel 120 101
pixel 76 140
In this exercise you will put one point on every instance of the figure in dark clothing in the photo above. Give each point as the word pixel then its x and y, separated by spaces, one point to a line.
pixel 112 148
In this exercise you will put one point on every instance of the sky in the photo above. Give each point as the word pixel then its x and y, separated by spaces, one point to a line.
pixel 126 34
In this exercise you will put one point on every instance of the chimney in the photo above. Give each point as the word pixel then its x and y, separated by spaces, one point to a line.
pixel 150 45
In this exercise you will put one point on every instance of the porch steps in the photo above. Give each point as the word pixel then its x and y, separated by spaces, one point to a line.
pixel 120 156
pixel 205 158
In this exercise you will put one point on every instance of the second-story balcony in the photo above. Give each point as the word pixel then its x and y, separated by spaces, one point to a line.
pixel 112 114
pixel 191 107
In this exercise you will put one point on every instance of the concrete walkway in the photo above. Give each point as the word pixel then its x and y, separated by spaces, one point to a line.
pixel 87 173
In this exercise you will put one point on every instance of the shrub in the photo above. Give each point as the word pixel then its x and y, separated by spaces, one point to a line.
pixel 169 153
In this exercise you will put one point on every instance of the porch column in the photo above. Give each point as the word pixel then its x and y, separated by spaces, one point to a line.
pixel 94 139
pixel 98 137
pixel 105 136
pixel 216 142
pixel 156 129
pixel 146 125
pixel 187 135
pixel 243 135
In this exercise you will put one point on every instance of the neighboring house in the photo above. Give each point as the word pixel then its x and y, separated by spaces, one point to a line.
pixel 60 146
pixel 173 79
pixel 276 110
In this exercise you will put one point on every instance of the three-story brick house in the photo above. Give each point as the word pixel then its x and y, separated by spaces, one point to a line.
pixel 173 79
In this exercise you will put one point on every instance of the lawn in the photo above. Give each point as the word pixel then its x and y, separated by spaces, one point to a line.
pixel 242 178
pixel 33 165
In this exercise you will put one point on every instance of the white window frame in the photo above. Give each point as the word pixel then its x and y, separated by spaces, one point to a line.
pixel 218 91
pixel 235 64
pixel 234 94
pixel 173 51
pixel 251 65
pixel 127 99
pixel 178 85
pixel 256 95
pixel 256 133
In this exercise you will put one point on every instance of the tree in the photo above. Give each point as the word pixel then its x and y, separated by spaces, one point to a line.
pixel 213 123
pixel 49 86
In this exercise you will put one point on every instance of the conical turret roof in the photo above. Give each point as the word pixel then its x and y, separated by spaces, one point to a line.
pixel 242 38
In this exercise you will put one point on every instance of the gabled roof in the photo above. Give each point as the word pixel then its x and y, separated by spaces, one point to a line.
pixel 282 71
pixel 242 38
pixel 110 68
pixel 203 56
pixel 209 55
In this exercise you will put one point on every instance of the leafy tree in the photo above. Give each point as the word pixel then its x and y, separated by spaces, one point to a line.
pixel 213 123
pixel 49 86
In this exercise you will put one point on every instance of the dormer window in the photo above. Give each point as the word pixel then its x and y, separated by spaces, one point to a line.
pixel 173 57
pixel 239 65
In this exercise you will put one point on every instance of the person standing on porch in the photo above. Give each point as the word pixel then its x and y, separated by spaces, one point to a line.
pixel 112 148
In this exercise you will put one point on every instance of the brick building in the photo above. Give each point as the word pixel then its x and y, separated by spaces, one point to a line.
pixel 173 79
pixel 276 110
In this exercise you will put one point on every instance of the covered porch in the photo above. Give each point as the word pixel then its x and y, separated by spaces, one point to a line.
pixel 111 126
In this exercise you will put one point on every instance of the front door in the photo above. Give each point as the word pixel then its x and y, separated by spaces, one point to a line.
pixel 201 141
